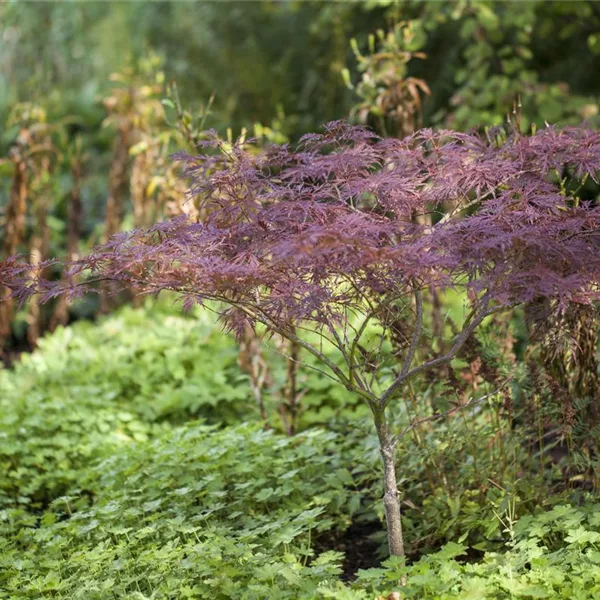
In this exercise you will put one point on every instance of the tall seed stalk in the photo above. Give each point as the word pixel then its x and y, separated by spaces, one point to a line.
pixel 74 229
pixel 14 231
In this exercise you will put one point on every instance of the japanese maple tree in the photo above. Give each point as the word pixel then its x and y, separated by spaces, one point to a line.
pixel 347 231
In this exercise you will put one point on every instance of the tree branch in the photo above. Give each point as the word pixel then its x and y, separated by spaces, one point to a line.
pixel 410 354
pixel 266 320
pixel 472 324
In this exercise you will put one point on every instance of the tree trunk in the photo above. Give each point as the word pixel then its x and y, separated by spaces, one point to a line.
pixel 391 502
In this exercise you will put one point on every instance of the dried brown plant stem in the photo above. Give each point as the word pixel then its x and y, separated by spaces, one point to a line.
pixel 14 231
pixel 118 183
pixel 74 226
pixel 252 362
pixel 40 238
pixel 291 387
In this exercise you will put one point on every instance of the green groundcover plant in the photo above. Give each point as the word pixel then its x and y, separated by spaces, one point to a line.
pixel 554 554
pixel 93 388
pixel 127 503
pixel 234 513
pixel 199 513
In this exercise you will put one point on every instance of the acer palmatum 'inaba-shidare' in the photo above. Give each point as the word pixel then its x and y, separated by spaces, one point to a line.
pixel 346 231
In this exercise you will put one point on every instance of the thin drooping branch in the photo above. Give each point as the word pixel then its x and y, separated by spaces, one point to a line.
pixel 260 316
pixel 414 344
pixel 373 311
pixel 339 343
pixel 352 374
pixel 379 355
pixel 302 363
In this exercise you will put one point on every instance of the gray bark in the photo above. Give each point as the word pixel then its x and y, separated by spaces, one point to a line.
pixel 391 501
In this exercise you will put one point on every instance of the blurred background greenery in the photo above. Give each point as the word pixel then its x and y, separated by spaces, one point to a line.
pixel 283 60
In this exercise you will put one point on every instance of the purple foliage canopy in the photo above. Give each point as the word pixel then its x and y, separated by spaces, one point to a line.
pixel 347 217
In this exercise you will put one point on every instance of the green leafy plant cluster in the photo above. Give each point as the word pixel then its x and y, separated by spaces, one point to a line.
pixel 553 554
pixel 92 388
pixel 198 513
pixel 481 57
pixel 110 489
pixel 208 513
